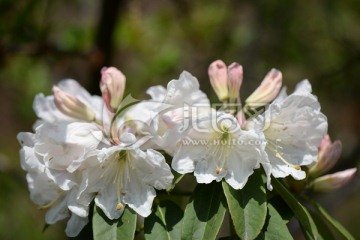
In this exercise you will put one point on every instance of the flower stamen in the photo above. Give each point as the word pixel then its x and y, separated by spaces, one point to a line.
pixel 279 154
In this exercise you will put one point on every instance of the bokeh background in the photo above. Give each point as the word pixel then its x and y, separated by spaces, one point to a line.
pixel 42 42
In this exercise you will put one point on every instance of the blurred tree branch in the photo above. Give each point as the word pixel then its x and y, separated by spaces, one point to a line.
pixel 103 52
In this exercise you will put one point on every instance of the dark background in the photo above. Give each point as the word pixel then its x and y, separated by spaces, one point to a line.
pixel 42 42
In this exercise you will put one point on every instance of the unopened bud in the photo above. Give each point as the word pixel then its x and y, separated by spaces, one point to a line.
pixel 267 91
pixel 333 181
pixel 241 119
pixel 71 106
pixel 218 79
pixel 112 86
pixel 329 154
pixel 235 77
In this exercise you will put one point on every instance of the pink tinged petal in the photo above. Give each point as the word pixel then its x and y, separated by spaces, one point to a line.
pixel 235 78
pixel 45 109
pixel 329 154
pixel 71 106
pixel 333 181
pixel 219 79
pixel 112 86
pixel 75 224
pixel 267 91
pixel 240 117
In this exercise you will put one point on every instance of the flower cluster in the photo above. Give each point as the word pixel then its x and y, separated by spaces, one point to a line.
pixel 106 149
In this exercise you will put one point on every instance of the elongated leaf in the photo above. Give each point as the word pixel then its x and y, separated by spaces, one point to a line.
pixel 280 205
pixel 335 224
pixel 204 213
pixel 275 227
pixel 300 212
pixel 322 227
pixel 123 228
pixel 164 223
pixel 247 206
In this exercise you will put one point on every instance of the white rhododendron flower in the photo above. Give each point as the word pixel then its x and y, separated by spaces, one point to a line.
pixel 46 193
pixel 293 127
pixel 217 148
pixel 108 150
pixel 126 175
pixel 79 134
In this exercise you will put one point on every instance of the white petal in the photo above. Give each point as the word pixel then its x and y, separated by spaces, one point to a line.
pixel 26 139
pixel 184 159
pixel 185 90
pixel 152 169
pixel 75 224
pixel 63 179
pixel 42 189
pixel 66 146
pixel 128 138
pixel 205 171
pixel 303 87
pixel 157 93
pixel 242 160
pixel 58 211
pixel 138 195
pixel 107 201
pixel 279 169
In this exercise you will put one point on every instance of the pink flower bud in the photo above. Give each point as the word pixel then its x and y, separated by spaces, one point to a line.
pixel 333 181
pixel 112 86
pixel 71 106
pixel 241 119
pixel 329 154
pixel 235 77
pixel 218 79
pixel 267 91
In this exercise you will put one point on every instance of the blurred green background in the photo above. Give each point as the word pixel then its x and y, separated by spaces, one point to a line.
pixel 42 42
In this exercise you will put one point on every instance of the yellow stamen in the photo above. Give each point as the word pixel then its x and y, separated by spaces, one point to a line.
pixel 297 167
pixel 218 170
pixel 119 206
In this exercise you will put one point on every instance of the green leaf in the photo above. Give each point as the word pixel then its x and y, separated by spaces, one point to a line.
pixel 335 224
pixel 282 208
pixel 122 228
pixel 204 213
pixel 164 223
pixel 322 227
pixel 275 227
pixel 247 206
pixel 300 212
